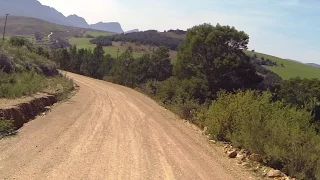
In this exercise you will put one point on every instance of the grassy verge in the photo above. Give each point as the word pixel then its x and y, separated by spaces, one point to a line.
pixel 20 84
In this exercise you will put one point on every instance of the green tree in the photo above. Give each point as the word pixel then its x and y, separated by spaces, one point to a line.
pixel 161 67
pixel 62 57
pixel 215 55
pixel 124 69
pixel 84 67
pixel 74 64
pixel 38 35
pixel 106 65
pixel 298 92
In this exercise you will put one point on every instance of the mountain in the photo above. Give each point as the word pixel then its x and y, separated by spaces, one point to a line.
pixel 111 27
pixel 314 65
pixel 77 21
pixel 34 9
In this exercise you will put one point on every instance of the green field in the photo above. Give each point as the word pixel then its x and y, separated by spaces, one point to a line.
pixel 99 33
pixel 291 69
pixel 112 50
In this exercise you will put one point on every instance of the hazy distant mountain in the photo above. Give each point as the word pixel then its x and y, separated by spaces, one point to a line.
pixel 314 65
pixel 131 31
pixel 33 8
pixel 77 21
pixel 111 26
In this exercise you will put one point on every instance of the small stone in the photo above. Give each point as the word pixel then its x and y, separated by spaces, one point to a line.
pixel 274 173
pixel 242 157
pixel 213 141
pixel 255 157
pixel 47 108
pixel 242 151
pixel 264 174
pixel 205 129
pixel 227 148
pixel 232 154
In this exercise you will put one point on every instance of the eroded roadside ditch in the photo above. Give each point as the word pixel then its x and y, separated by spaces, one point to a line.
pixel 23 110
pixel 26 109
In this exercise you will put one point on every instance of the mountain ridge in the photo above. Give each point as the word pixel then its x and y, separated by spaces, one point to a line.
pixel 34 9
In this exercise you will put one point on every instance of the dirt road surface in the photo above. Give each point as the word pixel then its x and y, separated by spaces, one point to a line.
pixel 107 131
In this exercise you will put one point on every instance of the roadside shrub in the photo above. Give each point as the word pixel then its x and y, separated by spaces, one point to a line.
pixel 60 85
pixel 6 65
pixel 20 41
pixel 182 97
pixel 6 127
pixel 282 134
pixel 150 87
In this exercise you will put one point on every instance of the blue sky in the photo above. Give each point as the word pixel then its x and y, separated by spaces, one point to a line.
pixel 285 28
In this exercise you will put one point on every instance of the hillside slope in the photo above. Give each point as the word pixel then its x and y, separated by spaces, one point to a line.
pixel 26 71
pixel 27 26
pixel 291 68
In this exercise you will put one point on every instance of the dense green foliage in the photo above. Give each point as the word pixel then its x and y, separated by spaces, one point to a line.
pixel 299 92
pixel 215 55
pixel 262 61
pixel 302 93
pixel 126 70
pixel 150 37
pixel 101 40
pixel 282 134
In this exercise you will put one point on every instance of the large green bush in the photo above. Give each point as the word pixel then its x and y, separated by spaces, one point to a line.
pixel 282 134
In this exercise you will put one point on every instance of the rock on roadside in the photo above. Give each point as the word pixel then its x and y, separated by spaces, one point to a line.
pixel 232 154
pixel 274 173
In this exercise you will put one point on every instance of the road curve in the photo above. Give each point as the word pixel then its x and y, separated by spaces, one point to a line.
pixel 107 131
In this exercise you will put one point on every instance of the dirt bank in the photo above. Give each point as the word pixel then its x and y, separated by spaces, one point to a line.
pixel 25 109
